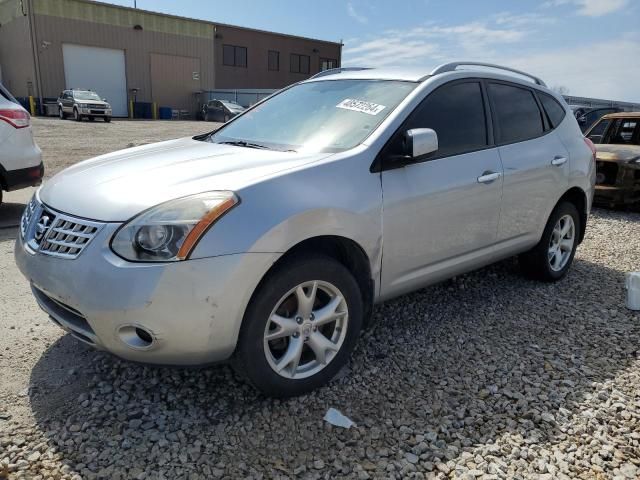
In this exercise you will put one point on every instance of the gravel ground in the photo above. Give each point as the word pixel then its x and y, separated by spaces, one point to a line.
pixel 485 376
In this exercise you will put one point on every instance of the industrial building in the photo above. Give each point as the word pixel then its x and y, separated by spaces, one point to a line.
pixel 125 54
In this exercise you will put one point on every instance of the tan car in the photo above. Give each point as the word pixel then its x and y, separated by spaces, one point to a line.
pixel 617 140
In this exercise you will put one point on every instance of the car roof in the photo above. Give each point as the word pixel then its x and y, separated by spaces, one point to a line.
pixel 623 115
pixel 409 74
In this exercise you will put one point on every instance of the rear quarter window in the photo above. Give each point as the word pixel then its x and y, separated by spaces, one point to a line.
pixel 555 111
pixel 515 112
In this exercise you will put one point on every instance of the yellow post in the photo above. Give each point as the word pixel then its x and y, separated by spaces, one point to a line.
pixel 155 111
pixel 32 105
pixel 130 108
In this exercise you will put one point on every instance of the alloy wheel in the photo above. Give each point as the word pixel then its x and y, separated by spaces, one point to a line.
pixel 306 329
pixel 561 243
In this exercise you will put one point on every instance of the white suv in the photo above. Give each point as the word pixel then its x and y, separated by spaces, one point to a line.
pixel 20 158
pixel 269 240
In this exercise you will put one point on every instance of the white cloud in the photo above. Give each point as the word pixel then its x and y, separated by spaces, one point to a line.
pixel 591 8
pixel 351 11
pixel 611 77
pixel 511 41
pixel 435 42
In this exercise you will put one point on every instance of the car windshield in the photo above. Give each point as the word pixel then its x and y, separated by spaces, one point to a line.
pixel 232 106
pixel 324 116
pixel 86 95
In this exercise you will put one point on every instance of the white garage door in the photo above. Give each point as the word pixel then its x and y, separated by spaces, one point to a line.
pixel 98 69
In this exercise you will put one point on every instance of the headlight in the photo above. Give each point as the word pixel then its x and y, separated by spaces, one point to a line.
pixel 169 232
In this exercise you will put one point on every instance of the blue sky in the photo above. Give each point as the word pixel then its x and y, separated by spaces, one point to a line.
pixel 591 47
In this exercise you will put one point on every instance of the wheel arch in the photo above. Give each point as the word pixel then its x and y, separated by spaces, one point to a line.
pixel 342 249
pixel 577 197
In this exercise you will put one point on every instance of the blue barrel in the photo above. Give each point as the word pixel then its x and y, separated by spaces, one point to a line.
pixel 164 113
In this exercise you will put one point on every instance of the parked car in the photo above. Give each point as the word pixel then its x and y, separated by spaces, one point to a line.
pixel 588 116
pixel 83 103
pixel 268 241
pixel 20 158
pixel 221 110
pixel 617 140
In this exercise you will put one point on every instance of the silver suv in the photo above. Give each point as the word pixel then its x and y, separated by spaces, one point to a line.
pixel 268 241
pixel 83 104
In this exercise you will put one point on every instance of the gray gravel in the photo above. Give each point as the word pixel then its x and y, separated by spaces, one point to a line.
pixel 485 376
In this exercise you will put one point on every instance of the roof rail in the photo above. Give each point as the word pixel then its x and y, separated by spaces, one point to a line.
pixel 450 67
pixel 331 71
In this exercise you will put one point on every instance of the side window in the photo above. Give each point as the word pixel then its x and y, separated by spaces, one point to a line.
pixel 597 132
pixel 456 113
pixel 621 131
pixel 555 111
pixel 516 113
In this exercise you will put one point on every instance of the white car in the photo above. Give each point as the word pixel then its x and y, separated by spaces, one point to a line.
pixel 20 158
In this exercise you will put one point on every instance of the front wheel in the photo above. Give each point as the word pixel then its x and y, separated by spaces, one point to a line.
pixel 551 259
pixel 300 327
pixel 61 113
pixel 76 116
pixel 107 119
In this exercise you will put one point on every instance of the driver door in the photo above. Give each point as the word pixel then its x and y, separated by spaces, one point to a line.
pixel 441 213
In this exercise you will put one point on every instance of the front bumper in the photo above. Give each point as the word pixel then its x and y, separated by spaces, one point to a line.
pixel 23 177
pixel 192 309
pixel 96 112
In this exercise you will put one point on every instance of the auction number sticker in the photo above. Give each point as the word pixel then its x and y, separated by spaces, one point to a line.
pixel 361 106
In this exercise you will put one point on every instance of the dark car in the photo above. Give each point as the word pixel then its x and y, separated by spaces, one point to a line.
pixel 83 104
pixel 587 116
pixel 617 140
pixel 221 110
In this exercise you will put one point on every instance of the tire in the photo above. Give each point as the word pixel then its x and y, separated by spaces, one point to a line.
pixel 257 358
pixel 107 119
pixel 61 114
pixel 76 116
pixel 226 118
pixel 540 263
pixel 206 117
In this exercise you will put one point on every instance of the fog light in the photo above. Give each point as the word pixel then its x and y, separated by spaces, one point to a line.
pixel 136 337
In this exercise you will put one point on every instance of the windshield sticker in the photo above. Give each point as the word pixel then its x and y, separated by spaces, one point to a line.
pixel 361 106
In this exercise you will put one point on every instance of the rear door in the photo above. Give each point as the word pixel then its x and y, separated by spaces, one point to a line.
pixel 536 163
pixel 441 212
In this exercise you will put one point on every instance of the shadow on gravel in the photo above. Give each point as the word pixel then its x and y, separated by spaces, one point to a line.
pixel 10 214
pixel 450 367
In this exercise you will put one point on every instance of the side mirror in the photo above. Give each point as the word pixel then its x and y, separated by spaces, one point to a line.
pixel 104 99
pixel 420 141
pixel 582 120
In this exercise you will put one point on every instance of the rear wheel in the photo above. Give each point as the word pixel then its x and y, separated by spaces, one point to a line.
pixel 300 327
pixel 76 116
pixel 551 259
pixel 91 119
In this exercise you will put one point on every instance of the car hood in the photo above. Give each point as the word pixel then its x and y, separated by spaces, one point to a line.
pixel 617 153
pixel 116 186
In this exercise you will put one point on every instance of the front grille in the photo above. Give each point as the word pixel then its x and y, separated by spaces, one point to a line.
pixel 607 173
pixel 27 215
pixel 54 233
pixel 96 111
pixel 95 105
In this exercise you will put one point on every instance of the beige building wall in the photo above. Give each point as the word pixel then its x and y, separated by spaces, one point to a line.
pixel 16 56
pixel 161 51
pixel 139 45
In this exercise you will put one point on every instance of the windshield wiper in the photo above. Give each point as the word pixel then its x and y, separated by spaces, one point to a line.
pixel 242 143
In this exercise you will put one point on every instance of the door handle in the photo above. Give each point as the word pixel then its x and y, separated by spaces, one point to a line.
pixel 488 177
pixel 558 161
